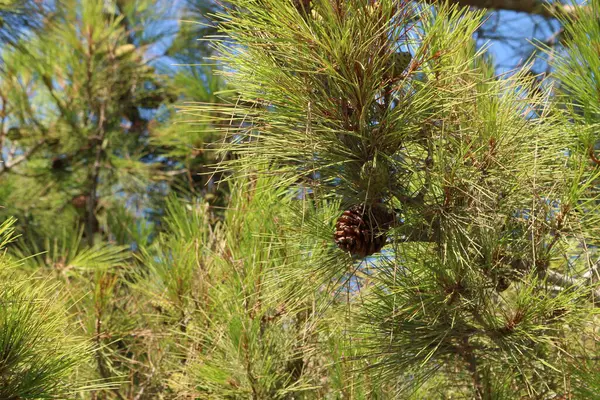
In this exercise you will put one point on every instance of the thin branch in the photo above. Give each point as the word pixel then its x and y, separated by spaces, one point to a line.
pixel 564 282
pixel 98 142
pixel 471 361
pixel 537 7
pixel 94 180
pixel 23 157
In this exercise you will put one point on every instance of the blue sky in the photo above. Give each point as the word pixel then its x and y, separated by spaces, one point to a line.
pixel 509 46
pixel 514 32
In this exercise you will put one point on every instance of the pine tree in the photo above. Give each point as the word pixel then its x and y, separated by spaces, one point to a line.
pixel 74 126
pixel 346 203
pixel 79 99
pixel 485 286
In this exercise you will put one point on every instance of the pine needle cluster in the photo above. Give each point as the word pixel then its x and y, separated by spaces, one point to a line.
pixel 39 354
pixel 495 205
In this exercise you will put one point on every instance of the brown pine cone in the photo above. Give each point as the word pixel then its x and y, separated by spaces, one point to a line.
pixel 362 230
pixel 79 201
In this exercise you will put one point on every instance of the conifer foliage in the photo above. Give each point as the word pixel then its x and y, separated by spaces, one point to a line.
pixel 482 282
pixel 39 354
pixel 72 101
pixel 353 205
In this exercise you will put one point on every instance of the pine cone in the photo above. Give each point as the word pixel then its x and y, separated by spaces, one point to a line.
pixel 59 163
pixel 79 201
pixel 400 61
pixel 361 230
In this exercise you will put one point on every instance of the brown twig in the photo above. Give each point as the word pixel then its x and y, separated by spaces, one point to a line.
pixel 471 361
pixel 536 7
pixel 5 167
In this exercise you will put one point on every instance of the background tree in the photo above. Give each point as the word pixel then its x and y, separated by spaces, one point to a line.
pixel 76 134
pixel 18 18
pixel 81 171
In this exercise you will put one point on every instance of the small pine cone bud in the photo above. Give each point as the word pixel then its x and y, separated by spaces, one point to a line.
pixel 502 284
pixel 375 177
pixel 59 163
pixel 362 230
pixel 399 62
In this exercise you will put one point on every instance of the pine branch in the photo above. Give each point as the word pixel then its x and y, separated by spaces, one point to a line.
pixel 537 7
pixel 471 361
pixel 561 280
pixel 22 158
pixel 94 180
pixel 564 281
